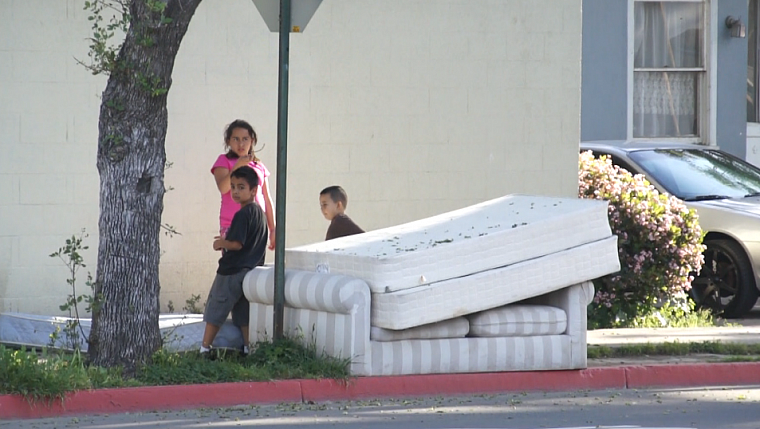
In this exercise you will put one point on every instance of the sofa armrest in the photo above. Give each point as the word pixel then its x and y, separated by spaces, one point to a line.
pixel 329 309
pixel 574 300
pixel 309 290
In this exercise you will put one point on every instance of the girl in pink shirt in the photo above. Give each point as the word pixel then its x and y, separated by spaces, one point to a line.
pixel 239 140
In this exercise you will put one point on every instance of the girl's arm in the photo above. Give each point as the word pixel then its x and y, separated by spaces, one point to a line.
pixel 270 212
pixel 222 175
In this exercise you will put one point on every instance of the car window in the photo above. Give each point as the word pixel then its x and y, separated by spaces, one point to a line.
pixel 615 161
pixel 624 165
pixel 691 173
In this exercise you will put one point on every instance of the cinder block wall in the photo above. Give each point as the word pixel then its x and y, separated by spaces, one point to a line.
pixel 414 106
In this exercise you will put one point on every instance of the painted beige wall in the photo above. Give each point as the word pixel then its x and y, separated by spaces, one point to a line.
pixel 414 106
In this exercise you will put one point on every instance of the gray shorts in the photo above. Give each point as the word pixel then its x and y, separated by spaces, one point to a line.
pixel 227 297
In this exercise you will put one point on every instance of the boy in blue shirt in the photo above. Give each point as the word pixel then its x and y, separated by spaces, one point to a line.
pixel 333 201
pixel 242 248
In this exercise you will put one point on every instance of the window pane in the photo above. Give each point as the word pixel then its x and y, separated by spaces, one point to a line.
pixel 668 34
pixel 665 104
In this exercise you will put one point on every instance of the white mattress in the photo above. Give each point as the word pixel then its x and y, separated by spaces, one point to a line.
pixel 488 235
pixel 180 332
pixel 494 288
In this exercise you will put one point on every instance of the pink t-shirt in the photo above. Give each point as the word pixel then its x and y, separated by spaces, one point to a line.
pixel 229 206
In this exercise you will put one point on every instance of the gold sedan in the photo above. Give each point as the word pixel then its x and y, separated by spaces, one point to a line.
pixel 725 192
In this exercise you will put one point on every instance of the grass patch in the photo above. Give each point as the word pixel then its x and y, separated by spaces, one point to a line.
pixel 674 349
pixel 741 359
pixel 281 360
pixel 289 358
pixel 43 376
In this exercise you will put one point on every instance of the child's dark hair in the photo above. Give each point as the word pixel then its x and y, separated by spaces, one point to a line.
pixel 337 194
pixel 246 173
pixel 239 123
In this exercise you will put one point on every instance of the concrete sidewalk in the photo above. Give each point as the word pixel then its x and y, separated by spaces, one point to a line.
pixel 628 336
pixel 745 331
pixel 624 337
pixel 741 331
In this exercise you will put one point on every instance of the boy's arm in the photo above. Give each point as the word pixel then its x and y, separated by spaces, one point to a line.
pixel 220 243
pixel 236 235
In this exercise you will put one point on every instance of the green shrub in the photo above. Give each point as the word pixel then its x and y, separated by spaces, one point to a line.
pixel 659 245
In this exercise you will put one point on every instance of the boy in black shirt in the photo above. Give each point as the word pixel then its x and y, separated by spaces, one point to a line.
pixel 242 249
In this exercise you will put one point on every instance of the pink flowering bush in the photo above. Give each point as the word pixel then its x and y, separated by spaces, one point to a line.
pixel 659 244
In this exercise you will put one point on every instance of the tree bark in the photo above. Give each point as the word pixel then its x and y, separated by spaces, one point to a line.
pixel 131 157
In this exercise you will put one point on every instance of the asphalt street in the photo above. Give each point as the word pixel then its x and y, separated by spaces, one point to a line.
pixel 716 408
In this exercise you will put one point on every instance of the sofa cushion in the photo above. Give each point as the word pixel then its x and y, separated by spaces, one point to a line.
pixel 518 321
pixel 452 328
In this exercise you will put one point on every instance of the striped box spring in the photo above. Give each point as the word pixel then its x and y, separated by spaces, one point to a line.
pixel 337 320
pixel 471 355
pixel 334 312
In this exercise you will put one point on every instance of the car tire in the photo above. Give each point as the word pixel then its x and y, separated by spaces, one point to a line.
pixel 726 284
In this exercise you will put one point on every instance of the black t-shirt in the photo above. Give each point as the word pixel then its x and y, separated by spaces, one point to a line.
pixel 249 227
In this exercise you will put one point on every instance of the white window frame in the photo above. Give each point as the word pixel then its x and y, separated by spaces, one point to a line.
pixel 707 106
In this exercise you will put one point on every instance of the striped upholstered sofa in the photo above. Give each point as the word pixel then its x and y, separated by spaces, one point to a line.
pixel 539 333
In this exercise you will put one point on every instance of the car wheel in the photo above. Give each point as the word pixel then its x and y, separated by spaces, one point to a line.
pixel 726 284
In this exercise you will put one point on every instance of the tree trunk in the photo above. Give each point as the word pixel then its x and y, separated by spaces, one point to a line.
pixel 131 158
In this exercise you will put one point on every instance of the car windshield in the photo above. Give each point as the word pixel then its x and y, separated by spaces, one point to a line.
pixel 695 174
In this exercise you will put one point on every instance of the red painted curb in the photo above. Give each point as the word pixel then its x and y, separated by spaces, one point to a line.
pixel 230 394
pixel 460 384
pixel 154 398
pixel 690 375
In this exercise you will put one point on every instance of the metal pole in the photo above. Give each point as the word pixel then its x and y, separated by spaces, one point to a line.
pixel 282 169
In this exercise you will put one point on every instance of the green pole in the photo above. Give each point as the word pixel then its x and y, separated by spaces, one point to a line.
pixel 282 169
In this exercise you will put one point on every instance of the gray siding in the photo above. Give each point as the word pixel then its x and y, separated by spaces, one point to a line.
pixel 604 75
pixel 732 82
